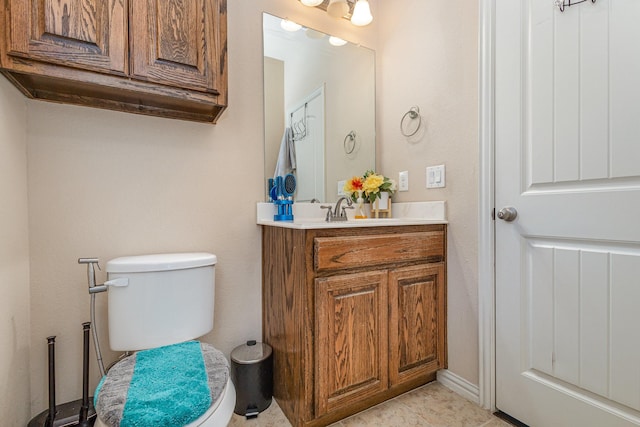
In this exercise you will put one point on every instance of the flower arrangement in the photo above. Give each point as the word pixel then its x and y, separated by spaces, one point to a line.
pixel 353 187
pixel 370 185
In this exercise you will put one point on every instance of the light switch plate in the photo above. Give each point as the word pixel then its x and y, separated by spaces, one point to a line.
pixel 341 187
pixel 435 176
pixel 403 181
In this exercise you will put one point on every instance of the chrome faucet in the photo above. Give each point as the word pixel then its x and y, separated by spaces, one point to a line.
pixel 338 214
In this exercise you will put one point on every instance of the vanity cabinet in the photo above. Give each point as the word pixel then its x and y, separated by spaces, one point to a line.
pixel 162 58
pixel 355 316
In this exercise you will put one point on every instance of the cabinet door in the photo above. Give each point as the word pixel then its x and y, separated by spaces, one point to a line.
pixel 351 346
pixel 417 324
pixel 179 43
pixel 85 34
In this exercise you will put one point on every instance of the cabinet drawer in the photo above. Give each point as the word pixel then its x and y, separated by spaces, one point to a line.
pixel 338 253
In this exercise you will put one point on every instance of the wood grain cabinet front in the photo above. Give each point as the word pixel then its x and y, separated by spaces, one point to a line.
pixel 88 35
pixel 351 339
pixel 174 43
pixel 417 315
pixel 164 58
pixel 355 316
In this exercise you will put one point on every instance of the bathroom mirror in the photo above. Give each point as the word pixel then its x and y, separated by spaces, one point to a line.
pixel 325 95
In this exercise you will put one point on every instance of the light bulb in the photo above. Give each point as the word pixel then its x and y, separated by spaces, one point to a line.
pixel 289 25
pixel 337 8
pixel 361 14
pixel 337 41
pixel 311 2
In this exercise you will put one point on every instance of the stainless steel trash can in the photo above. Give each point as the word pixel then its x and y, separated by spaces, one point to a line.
pixel 252 376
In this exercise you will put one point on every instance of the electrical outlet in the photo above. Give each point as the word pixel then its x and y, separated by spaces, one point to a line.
pixel 341 187
pixel 435 176
pixel 403 181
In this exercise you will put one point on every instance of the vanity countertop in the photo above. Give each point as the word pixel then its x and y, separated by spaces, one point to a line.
pixel 311 216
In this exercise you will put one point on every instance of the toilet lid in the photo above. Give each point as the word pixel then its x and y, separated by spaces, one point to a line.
pixel 167 386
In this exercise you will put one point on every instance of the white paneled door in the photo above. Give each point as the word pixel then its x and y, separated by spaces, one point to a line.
pixel 567 141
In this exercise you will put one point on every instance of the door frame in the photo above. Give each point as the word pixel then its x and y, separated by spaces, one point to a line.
pixel 486 206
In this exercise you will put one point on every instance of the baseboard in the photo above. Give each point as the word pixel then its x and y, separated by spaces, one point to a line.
pixel 459 385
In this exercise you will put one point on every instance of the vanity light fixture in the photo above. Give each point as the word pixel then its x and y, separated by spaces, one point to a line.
pixel 288 25
pixel 337 8
pixel 358 11
pixel 361 14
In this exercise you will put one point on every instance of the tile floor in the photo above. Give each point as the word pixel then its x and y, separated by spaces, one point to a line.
pixel 432 405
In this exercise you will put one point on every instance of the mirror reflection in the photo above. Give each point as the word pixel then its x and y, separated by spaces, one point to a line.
pixel 319 108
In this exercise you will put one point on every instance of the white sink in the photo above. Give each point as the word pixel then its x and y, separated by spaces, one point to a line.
pixel 311 216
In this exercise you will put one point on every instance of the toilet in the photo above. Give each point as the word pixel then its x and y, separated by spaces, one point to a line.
pixel 158 306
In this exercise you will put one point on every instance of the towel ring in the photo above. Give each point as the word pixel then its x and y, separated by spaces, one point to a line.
pixel 413 113
pixel 351 144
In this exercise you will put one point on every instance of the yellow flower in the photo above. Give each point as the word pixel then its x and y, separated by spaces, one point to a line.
pixel 372 183
pixel 352 185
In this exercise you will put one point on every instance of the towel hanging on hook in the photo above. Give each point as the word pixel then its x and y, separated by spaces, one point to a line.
pixel 286 162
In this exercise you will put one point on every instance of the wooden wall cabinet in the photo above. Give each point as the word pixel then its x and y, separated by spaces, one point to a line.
pixel 158 57
pixel 354 316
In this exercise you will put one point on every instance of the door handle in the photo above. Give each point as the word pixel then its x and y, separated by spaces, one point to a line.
pixel 507 213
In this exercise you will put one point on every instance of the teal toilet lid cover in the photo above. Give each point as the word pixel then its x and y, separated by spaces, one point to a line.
pixel 162 387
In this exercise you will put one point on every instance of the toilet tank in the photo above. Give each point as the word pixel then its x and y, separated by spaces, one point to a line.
pixel 162 299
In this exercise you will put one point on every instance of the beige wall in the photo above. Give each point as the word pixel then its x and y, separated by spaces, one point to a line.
pixel 427 56
pixel 14 259
pixel 108 184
